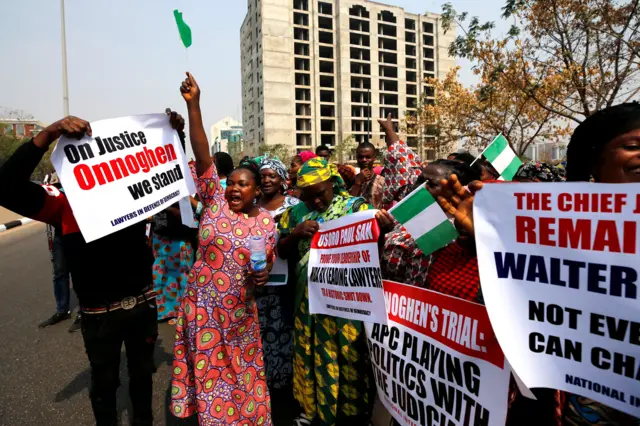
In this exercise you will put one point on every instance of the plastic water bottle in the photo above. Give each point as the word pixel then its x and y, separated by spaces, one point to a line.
pixel 258 260
pixel 258 249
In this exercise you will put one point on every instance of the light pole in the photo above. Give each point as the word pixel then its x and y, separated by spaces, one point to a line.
pixel 370 130
pixel 65 88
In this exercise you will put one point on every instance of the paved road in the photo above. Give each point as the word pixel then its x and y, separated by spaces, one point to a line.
pixel 44 374
pixel 7 215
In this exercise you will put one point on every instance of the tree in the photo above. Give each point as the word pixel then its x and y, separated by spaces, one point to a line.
pixel 9 144
pixel 236 151
pixel 344 149
pixel 281 151
pixel 571 57
pixel 476 115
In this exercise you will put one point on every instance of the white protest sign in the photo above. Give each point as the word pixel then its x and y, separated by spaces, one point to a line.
pixel 130 169
pixel 344 269
pixel 186 213
pixel 437 362
pixel 559 273
pixel 279 273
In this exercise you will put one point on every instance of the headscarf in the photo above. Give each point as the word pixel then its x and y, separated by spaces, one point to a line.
pixel 276 165
pixel 306 156
pixel 319 170
pixel 541 172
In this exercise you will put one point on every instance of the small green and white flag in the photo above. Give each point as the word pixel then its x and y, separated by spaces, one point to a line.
pixel 502 158
pixel 423 218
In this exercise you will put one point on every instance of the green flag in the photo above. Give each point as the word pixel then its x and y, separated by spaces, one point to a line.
pixel 183 28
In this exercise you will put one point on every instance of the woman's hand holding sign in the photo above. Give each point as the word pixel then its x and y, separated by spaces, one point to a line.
pixel 306 229
pixel 385 221
pixel 72 127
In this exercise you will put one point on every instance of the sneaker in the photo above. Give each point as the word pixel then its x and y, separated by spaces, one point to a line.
pixel 55 318
pixel 76 325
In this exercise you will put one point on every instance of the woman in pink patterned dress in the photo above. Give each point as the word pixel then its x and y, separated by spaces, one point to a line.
pixel 218 367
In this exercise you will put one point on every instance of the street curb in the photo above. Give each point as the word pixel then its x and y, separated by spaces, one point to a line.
pixel 15 224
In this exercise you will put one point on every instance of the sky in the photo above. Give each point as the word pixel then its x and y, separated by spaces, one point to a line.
pixel 125 57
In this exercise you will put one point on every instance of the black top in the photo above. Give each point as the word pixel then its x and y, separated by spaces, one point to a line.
pixel 103 271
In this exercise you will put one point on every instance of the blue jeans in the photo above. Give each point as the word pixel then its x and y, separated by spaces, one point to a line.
pixel 61 281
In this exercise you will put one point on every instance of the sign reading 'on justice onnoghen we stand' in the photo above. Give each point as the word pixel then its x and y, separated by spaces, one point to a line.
pixel 128 170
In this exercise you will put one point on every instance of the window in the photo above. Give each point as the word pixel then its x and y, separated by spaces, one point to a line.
pixel 301 4
pixel 325 8
pixel 326 67
pixel 427 27
pixel 325 52
pixel 303 79
pixel 360 11
pixel 325 37
pixel 301 49
pixel 358 25
pixel 327 96
pixel 327 126
pixel 325 23
pixel 301 19
pixel 302 109
pixel 301 34
pixel 328 140
pixel 386 16
pixel 326 81
pixel 360 54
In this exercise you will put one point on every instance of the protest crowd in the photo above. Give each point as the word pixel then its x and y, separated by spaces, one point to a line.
pixel 249 339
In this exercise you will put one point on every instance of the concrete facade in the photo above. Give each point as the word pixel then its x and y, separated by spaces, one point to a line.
pixel 318 71
pixel 221 133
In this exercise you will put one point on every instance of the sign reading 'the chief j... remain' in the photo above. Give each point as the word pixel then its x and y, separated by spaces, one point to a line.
pixel 130 169
pixel 559 270
pixel 344 270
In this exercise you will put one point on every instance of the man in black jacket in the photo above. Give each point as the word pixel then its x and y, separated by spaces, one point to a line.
pixel 111 276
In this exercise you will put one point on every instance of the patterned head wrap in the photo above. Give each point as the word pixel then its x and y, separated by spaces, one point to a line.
pixel 319 170
pixel 276 165
pixel 541 172
pixel 306 156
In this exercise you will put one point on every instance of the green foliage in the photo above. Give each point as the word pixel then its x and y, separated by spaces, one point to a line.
pixel 236 151
pixel 344 149
pixel 282 151
pixel 9 144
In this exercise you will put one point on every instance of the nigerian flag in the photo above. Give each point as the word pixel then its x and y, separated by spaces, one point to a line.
pixel 423 218
pixel 502 158
pixel 183 29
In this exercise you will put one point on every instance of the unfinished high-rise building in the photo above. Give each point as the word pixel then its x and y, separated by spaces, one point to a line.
pixel 318 71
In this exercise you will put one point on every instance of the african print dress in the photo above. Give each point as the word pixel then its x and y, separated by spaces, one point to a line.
pixel 173 259
pixel 331 367
pixel 276 324
pixel 218 367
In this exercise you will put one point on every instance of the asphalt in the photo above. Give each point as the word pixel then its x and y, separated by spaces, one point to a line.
pixel 44 373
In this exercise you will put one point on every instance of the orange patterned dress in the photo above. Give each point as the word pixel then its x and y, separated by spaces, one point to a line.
pixel 218 367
